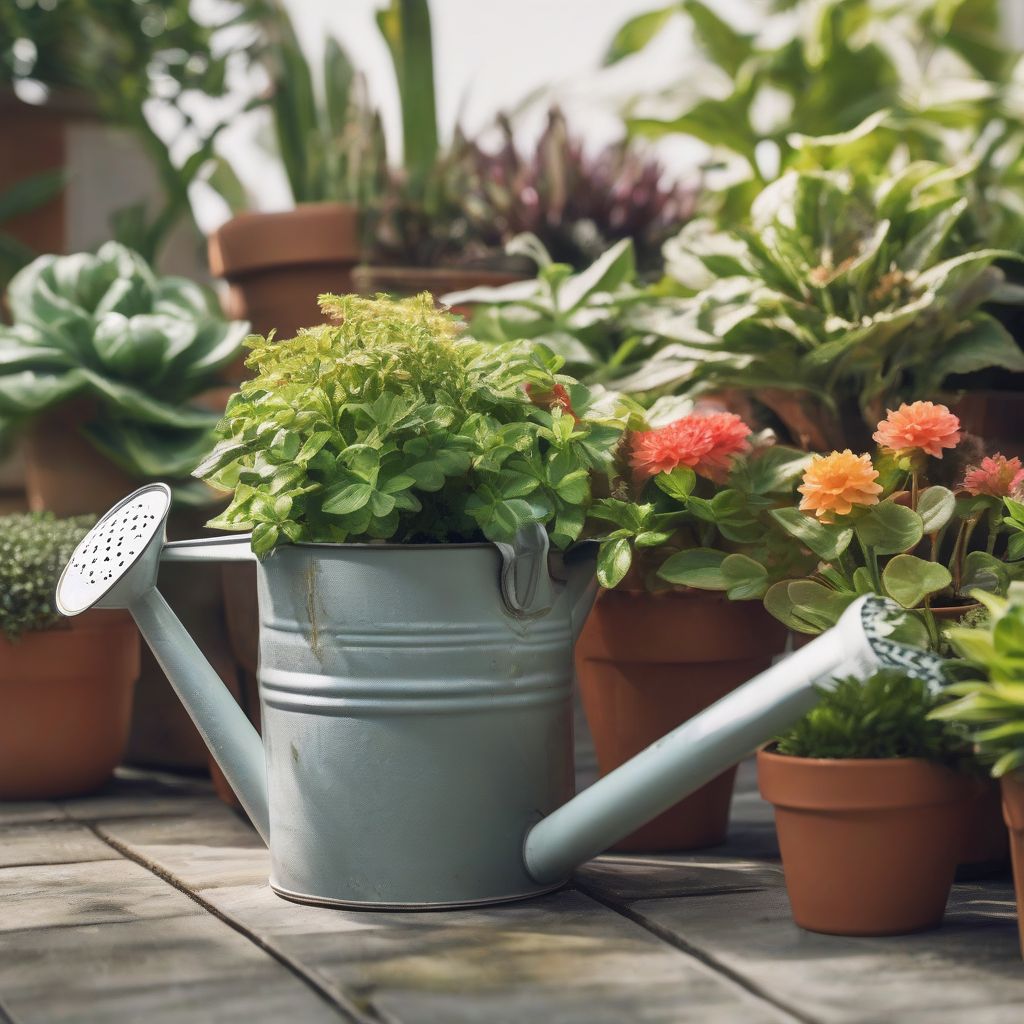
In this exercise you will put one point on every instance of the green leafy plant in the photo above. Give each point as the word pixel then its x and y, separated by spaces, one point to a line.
pixel 385 425
pixel 579 316
pixel 34 548
pixel 840 299
pixel 992 707
pixel 137 348
pixel 690 508
pixel 883 716
pixel 767 94
pixel 877 528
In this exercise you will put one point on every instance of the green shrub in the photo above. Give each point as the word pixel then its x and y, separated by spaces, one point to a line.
pixel 386 426
pixel 883 716
pixel 34 548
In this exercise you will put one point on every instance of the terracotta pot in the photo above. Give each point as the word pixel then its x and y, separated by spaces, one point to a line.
pixel 438 281
pixel 1013 813
pixel 648 662
pixel 868 847
pixel 995 416
pixel 276 264
pixel 67 699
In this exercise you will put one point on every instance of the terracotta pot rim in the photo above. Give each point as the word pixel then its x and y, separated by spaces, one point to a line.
pixel 825 763
pixel 309 234
pixel 93 620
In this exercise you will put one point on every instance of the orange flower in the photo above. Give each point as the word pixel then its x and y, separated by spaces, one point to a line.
pixel 707 444
pixel 997 476
pixel 834 484
pixel 921 426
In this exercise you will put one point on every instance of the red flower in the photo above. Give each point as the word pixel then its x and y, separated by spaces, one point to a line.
pixel 997 476
pixel 707 444
pixel 557 398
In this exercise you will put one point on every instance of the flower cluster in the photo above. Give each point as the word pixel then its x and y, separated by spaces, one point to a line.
pixel 706 443
pixel 836 484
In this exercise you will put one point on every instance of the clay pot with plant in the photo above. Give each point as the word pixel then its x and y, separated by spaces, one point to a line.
pixel 991 707
pixel 110 373
pixel 686 550
pixel 66 684
pixel 868 807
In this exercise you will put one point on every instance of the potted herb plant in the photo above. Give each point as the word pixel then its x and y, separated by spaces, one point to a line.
pixel 992 708
pixel 687 548
pixel 66 684
pixel 839 298
pixel 868 810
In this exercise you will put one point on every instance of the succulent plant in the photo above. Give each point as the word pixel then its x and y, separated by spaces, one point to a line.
pixel 140 347
pixel 34 548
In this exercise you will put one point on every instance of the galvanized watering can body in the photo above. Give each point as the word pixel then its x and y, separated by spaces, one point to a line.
pixel 417 747
pixel 414 729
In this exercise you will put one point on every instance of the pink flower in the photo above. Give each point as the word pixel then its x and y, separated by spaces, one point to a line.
pixel 707 444
pixel 997 476
pixel 921 426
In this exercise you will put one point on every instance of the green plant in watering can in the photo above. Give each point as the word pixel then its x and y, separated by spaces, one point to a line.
pixel 385 425
pixel 104 328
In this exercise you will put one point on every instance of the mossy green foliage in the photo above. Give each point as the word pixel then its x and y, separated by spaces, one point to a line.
pixel 34 548
pixel 992 705
pixel 386 425
pixel 883 716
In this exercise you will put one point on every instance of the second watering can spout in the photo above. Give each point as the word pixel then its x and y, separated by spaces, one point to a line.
pixel 115 566
pixel 721 736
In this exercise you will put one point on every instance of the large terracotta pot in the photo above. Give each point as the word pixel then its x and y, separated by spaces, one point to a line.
pixel 1013 812
pixel 868 847
pixel 66 694
pixel 369 280
pixel 648 662
pixel 276 264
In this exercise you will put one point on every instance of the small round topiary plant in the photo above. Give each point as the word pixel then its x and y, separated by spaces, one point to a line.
pixel 387 425
pixel 34 548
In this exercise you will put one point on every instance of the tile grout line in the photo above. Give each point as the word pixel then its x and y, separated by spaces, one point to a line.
pixel 336 1000
pixel 709 961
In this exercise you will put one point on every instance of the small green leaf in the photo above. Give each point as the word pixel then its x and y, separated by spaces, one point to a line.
pixel 888 528
pixel 908 579
pixel 614 558
pixel 935 506
pixel 678 484
pixel 826 540
pixel 346 499
pixel 983 571
pixel 745 578
pixel 699 567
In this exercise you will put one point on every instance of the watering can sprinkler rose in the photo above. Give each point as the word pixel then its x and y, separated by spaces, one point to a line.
pixel 416 682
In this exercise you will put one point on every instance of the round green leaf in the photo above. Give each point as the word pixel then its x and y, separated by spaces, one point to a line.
pixel 935 506
pixel 908 579
pixel 613 561
pixel 889 528
pixel 699 567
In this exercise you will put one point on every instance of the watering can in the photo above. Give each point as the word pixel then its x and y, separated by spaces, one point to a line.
pixel 417 708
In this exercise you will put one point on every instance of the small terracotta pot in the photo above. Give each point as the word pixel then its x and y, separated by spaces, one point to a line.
pixel 67 699
pixel 276 264
pixel 1013 813
pixel 868 847
pixel 369 280
pixel 648 662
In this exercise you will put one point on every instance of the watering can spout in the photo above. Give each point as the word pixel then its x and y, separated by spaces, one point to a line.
pixel 718 738
pixel 116 566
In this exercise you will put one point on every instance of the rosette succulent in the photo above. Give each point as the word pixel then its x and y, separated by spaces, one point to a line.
pixel 134 347
pixel 385 425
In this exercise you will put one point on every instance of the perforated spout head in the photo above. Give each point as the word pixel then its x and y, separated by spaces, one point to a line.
pixel 119 557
